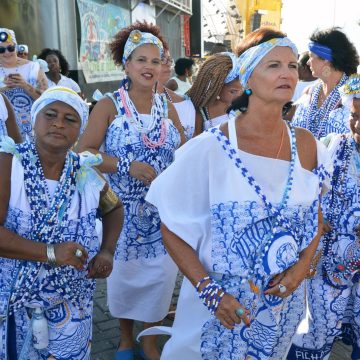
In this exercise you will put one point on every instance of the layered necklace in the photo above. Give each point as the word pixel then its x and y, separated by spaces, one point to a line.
pixel 316 117
pixel 334 266
pixel 153 134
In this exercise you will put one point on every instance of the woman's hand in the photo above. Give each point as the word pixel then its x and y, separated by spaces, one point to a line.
pixel 65 254
pixel 101 265
pixel 16 80
pixel 289 280
pixel 226 312
pixel 143 172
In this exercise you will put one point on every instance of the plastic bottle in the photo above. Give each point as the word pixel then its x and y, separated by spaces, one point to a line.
pixel 40 329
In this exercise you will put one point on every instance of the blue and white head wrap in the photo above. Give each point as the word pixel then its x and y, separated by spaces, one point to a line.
pixel 234 72
pixel 7 35
pixel 251 57
pixel 138 38
pixel 322 51
pixel 350 90
pixel 66 95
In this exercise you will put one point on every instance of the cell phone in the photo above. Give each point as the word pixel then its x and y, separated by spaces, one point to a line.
pixel 12 75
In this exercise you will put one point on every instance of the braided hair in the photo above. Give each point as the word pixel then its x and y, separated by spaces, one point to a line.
pixel 210 79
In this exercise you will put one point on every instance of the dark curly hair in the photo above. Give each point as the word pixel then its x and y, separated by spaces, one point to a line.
pixel 118 44
pixel 345 56
pixel 64 65
pixel 255 38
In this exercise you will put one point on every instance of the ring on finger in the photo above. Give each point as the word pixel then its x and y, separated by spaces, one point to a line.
pixel 78 253
pixel 239 312
pixel 282 288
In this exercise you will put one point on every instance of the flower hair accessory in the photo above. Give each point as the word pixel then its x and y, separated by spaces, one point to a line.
pixel 7 35
pixel 350 90
pixel 138 38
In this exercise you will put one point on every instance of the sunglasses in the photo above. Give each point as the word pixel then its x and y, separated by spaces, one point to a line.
pixel 9 48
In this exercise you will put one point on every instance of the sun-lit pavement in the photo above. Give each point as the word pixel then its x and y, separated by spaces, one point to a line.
pixel 106 330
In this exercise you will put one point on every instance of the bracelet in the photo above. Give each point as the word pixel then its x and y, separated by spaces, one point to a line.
pixel 50 253
pixel 123 166
pixel 201 281
pixel 211 295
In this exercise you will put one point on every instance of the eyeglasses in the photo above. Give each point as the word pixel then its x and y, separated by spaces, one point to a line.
pixel 9 48
pixel 168 61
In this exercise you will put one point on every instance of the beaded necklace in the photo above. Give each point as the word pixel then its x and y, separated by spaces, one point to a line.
pixel 48 225
pixel 204 111
pixel 333 266
pixel 316 118
pixel 167 95
pixel 154 134
pixel 277 218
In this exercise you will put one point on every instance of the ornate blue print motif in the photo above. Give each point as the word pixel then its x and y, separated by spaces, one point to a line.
pixel 267 334
pixel 238 230
pixel 141 236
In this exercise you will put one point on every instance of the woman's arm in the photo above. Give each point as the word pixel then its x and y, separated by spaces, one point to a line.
pixel 11 125
pixel 14 246
pixel 112 213
pixel 173 115
pixel 189 264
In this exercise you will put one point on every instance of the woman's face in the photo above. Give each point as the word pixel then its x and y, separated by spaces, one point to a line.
pixel 144 65
pixel 10 51
pixel 355 120
pixel 316 65
pixel 57 126
pixel 53 63
pixel 275 77
pixel 166 69
pixel 230 91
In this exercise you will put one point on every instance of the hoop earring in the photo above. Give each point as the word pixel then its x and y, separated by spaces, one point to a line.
pixel 248 92
pixel 326 71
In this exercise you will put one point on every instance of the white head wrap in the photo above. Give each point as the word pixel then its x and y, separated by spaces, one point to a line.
pixel 66 95
pixel 350 90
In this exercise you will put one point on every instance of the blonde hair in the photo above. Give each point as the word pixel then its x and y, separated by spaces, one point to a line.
pixel 210 79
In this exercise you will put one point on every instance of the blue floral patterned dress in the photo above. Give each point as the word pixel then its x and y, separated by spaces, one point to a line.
pixel 221 216
pixel 143 278
pixel 64 293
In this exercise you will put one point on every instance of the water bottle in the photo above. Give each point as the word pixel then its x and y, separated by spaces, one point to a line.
pixel 40 329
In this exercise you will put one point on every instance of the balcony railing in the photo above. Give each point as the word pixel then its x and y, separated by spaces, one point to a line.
pixel 184 6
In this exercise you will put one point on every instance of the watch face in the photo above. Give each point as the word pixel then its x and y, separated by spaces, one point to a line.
pixel 3 36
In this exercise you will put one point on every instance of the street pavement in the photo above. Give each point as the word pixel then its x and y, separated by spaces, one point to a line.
pixel 106 330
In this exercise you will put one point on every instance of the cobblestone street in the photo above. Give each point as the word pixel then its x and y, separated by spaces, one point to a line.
pixel 106 330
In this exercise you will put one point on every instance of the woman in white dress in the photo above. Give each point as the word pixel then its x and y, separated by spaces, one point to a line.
pixel 182 104
pixel 243 226
pixel 50 252
pixel 334 291
pixel 8 126
pixel 58 69
pixel 21 81
pixel 215 87
pixel 140 130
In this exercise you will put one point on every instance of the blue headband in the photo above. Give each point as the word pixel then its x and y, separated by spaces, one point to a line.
pixel 321 50
pixel 138 38
pixel 234 72
pixel 252 56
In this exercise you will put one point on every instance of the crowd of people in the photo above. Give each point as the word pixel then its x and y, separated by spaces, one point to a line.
pixel 245 179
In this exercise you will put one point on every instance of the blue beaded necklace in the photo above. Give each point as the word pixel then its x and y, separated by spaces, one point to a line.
pixel 334 267
pixel 316 118
pixel 48 225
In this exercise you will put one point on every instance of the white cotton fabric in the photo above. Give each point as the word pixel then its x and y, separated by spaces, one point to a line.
pixel 208 124
pixel 186 112
pixel 183 86
pixel 66 82
pixel 3 117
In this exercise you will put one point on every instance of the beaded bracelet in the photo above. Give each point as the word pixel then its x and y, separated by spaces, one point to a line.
pixel 123 166
pixel 50 253
pixel 201 281
pixel 211 295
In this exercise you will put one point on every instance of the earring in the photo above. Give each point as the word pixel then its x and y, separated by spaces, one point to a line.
pixel 326 71
pixel 125 83
pixel 248 92
pixel 218 97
